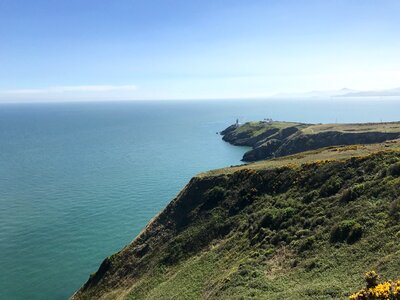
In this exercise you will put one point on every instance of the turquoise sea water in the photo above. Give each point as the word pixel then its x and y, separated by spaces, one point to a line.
pixel 78 181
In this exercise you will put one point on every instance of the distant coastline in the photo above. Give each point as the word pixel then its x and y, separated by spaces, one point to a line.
pixel 271 139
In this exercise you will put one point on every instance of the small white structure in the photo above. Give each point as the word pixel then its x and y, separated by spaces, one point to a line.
pixel 237 123
pixel 267 121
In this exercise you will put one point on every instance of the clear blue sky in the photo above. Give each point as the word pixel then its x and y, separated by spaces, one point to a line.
pixel 152 49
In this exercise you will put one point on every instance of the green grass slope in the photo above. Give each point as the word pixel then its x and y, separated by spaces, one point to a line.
pixel 302 227
pixel 276 139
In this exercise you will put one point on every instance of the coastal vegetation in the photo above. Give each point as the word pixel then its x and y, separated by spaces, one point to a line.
pixel 271 139
pixel 388 290
pixel 303 226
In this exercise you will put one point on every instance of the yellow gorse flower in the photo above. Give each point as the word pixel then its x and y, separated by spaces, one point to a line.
pixel 387 290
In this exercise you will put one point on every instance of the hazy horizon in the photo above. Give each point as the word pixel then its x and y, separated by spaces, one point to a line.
pixel 139 50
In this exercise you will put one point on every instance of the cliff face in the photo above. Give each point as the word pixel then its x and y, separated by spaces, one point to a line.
pixel 274 140
pixel 293 231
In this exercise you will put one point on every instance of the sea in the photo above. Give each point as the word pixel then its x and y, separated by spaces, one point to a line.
pixel 79 181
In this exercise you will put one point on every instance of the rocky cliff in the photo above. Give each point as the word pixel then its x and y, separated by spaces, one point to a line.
pixel 275 139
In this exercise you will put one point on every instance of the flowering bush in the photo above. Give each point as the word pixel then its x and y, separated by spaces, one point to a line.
pixel 387 290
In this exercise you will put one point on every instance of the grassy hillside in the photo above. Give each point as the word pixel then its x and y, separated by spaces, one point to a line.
pixel 258 130
pixel 357 127
pixel 276 139
pixel 302 227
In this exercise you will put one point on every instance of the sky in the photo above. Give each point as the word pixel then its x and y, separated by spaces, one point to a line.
pixel 53 50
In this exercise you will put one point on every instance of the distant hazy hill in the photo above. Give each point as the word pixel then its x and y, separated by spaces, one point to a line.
pixel 317 94
pixel 382 93
pixel 345 92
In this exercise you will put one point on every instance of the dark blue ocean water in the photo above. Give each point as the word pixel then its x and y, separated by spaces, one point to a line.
pixel 78 181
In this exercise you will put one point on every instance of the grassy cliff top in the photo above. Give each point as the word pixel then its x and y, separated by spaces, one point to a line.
pixel 324 154
pixel 258 127
pixel 355 127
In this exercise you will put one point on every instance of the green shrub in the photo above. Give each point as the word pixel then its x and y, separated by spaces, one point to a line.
pixel 331 187
pixel 394 169
pixel 352 193
pixel 311 196
pixel 394 209
pixel 303 233
pixel 307 244
pixel 213 197
pixel 283 236
pixel 319 221
pixel 348 230
pixel 347 195
pixel 216 193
